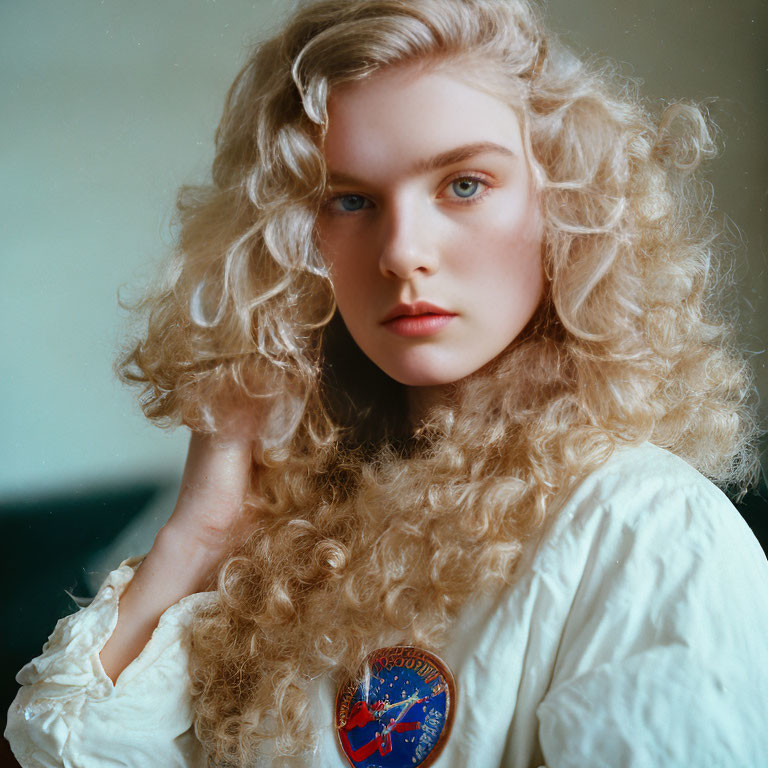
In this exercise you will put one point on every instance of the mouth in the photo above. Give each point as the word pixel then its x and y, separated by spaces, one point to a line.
pixel 417 320
pixel 419 309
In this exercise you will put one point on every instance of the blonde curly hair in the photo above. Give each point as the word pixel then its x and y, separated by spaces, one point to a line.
pixel 368 532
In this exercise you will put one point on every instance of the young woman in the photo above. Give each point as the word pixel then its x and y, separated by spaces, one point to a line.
pixel 444 329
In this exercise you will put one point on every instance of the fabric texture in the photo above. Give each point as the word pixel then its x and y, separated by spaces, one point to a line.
pixel 634 634
pixel 68 711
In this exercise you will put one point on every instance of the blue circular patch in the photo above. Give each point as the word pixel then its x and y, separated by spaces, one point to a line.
pixel 399 712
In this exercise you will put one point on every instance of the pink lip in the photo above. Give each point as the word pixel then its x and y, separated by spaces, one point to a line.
pixel 417 308
pixel 418 325
pixel 418 319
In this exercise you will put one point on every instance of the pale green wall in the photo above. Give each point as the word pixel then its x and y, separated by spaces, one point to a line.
pixel 106 107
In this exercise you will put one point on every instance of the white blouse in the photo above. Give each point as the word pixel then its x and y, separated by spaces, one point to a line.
pixel 635 634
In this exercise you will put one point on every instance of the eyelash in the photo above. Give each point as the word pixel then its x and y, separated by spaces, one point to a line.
pixel 462 201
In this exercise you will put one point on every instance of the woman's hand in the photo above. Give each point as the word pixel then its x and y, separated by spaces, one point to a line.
pixel 220 465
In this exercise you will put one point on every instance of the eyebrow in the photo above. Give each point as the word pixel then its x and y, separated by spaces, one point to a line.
pixel 449 157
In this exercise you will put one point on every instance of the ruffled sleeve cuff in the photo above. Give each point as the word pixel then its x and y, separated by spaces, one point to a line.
pixel 68 706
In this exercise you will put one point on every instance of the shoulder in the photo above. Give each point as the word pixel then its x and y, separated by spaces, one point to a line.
pixel 663 592
pixel 654 539
pixel 652 494
pixel 651 538
pixel 643 474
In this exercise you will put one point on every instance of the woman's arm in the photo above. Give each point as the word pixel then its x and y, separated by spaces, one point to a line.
pixel 69 710
pixel 206 523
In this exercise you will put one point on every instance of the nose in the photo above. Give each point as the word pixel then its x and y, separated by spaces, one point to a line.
pixel 408 243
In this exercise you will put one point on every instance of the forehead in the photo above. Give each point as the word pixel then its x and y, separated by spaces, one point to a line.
pixel 399 116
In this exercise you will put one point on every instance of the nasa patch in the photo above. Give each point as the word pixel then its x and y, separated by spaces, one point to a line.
pixel 399 713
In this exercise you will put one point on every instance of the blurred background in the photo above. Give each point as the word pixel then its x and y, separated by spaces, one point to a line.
pixel 107 107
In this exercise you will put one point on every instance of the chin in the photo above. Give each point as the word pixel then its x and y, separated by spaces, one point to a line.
pixel 423 376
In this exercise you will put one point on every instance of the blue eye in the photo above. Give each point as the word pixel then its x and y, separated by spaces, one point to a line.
pixel 351 202
pixel 466 187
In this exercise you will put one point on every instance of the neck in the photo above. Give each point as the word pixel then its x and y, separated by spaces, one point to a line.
pixel 421 400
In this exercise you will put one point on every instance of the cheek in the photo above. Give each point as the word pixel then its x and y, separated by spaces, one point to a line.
pixel 325 243
pixel 513 283
pixel 346 270
pixel 347 274
pixel 504 252
pixel 335 253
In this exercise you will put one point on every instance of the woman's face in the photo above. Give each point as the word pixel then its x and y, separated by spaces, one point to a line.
pixel 431 200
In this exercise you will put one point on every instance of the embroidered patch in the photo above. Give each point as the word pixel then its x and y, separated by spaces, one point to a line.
pixel 400 713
